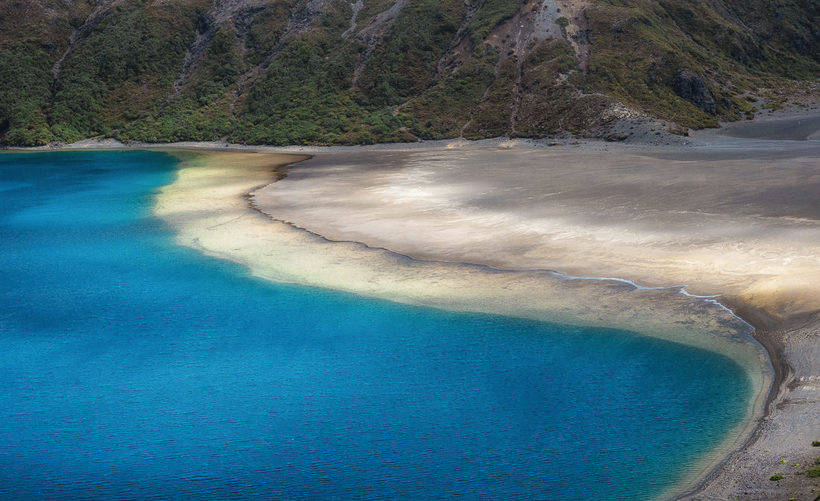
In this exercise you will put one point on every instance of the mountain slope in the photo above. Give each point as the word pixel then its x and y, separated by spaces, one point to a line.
pixel 360 71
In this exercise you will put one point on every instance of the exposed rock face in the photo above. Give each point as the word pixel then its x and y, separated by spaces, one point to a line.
pixel 691 87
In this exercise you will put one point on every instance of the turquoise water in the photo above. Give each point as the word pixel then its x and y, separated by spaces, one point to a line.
pixel 133 368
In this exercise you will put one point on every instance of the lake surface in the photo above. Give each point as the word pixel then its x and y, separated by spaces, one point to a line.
pixel 134 368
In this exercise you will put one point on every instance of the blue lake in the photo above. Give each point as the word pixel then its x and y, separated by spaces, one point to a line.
pixel 134 368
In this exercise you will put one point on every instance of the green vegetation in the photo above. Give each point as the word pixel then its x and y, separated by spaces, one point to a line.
pixel 306 96
pixel 24 95
pixel 445 108
pixel 490 14
pixel 550 103
pixel 813 473
pixel 493 115
pixel 122 72
pixel 405 63
pixel 280 71
pixel 775 478
pixel 639 45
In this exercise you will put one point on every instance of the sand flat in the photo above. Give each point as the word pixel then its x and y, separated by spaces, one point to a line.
pixel 734 226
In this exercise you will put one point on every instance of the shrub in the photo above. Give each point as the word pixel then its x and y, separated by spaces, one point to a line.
pixel 775 478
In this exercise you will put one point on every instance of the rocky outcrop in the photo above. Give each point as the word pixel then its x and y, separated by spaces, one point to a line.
pixel 692 87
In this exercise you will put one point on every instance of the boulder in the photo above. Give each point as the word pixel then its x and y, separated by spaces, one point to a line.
pixel 692 87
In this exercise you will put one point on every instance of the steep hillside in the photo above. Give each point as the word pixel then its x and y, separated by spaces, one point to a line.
pixel 361 71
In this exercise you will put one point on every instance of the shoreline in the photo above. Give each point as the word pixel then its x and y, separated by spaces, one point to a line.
pixel 703 474
pixel 766 327
pixel 734 439
pixel 776 306
pixel 761 334
pixel 780 369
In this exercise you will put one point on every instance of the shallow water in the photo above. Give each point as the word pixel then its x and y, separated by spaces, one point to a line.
pixel 131 367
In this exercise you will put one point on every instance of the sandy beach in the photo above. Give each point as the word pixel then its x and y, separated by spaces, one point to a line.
pixel 714 244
